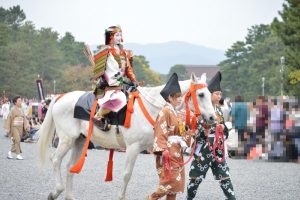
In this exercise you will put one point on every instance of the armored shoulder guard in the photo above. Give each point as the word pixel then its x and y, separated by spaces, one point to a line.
pixel 100 59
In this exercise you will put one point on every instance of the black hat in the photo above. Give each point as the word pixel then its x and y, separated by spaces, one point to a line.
pixel 172 87
pixel 214 83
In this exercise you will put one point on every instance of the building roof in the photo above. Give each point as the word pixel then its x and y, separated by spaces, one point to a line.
pixel 210 70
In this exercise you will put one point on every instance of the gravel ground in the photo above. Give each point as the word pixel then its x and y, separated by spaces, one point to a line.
pixel 251 179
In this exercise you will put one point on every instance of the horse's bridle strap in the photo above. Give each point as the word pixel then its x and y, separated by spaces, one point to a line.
pixel 192 93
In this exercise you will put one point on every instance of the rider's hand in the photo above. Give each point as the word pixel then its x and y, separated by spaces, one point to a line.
pixel 135 83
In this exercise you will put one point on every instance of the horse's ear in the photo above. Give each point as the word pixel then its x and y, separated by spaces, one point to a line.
pixel 193 77
pixel 203 78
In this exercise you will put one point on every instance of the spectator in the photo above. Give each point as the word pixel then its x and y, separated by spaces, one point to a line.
pixel 17 122
pixel 261 121
pixel 34 127
pixel 5 112
pixel 249 135
pixel 45 109
pixel 275 128
pixel 239 114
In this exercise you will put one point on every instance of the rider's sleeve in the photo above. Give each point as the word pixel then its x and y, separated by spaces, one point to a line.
pixel 129 68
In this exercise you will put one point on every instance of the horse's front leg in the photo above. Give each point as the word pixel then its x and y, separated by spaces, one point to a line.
pixel 132 152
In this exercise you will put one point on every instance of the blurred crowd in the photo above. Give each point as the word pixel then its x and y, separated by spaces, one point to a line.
pixel 267 128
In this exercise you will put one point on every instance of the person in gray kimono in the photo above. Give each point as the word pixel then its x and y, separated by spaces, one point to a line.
pixel 16 124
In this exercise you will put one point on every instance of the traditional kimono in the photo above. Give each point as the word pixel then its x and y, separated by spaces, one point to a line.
pixel 169 134
pixel 117 66
pixel 16 123
pixel 204 158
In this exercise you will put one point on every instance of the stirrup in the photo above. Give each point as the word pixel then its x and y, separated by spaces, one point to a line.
pixel 101 123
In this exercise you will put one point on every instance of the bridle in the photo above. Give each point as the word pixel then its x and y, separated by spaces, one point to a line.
pixel 192 93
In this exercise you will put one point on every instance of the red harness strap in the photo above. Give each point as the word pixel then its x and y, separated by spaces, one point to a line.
pixel 192 93
pixel 218 143
pixel 78 166
pixel 129 111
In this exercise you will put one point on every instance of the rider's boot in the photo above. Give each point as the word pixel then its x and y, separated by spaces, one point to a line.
pixel 100 120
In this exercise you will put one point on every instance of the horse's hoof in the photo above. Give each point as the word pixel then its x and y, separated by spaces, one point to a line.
pixel 50 197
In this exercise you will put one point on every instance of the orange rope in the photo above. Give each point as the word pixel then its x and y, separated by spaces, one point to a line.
pixel 78 166
pixel 190 157
pixel 129 111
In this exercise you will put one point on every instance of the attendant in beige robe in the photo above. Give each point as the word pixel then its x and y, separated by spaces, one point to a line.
pixel 170 141
pixel 16 124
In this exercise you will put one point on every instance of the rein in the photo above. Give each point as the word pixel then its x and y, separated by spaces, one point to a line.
pixel 218 143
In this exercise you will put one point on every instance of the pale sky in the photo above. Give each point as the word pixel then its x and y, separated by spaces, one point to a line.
pixel 211 23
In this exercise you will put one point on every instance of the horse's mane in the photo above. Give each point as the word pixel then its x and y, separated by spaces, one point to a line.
pixel 152 94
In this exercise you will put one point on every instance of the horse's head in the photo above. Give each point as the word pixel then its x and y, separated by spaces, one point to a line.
pixel 201 94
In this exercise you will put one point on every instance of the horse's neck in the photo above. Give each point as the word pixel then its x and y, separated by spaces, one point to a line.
pixel 154 101
pixel 152 97
pixel 185 86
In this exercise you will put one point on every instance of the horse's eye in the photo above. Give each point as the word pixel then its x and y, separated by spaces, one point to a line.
pixel 201 95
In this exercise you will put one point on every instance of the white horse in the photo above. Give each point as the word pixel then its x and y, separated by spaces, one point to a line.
pixel 135 139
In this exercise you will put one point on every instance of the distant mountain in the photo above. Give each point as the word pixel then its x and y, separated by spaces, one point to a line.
pixel 162 56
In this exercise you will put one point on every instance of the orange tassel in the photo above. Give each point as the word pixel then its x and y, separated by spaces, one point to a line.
pixel 109 170
pixel 79 164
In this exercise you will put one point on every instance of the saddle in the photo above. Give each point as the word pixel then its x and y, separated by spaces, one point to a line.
pixel 83 110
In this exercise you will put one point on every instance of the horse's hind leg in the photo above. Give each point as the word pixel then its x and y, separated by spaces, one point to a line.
pixel 132 152
pixel 76 152
pixel 62 149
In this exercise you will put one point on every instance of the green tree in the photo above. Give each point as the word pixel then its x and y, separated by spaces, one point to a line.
pixel 234 69
pixel 72 50
pixel 181 72
pixel 248 62
pixel 288 30
pixel 27 52
pixel 144 73
pixel 74 78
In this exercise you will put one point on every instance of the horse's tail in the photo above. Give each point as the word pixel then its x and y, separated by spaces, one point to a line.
pixel 46 133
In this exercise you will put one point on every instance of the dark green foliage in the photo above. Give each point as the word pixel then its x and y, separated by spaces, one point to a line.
pixel 181 72
pixel 248 62
pixel 288 29
pixel 144 73
pixel 28 53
